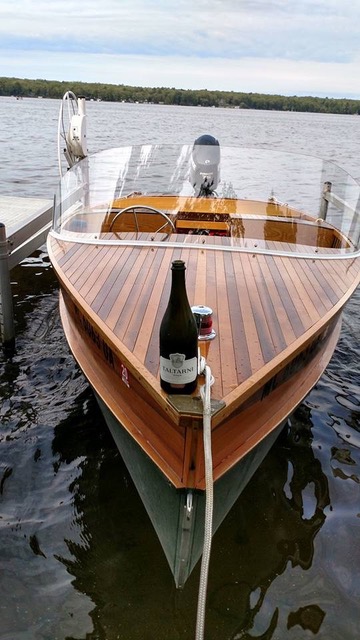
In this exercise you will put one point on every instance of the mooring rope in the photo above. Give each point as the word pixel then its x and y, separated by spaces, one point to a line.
pixel 209 501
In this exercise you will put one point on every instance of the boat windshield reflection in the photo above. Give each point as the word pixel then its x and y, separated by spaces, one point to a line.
pixel 264 201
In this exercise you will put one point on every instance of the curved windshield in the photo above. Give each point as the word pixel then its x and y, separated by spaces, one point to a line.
pixel 255 199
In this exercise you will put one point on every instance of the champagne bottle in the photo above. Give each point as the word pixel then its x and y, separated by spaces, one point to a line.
pixel 178 338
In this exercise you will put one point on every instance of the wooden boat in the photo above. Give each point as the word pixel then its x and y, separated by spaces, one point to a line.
pixel 275 275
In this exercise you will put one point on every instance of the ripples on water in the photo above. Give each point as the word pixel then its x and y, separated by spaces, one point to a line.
pixel 79 559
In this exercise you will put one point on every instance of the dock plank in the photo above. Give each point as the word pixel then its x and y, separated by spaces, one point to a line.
pixel 27 223
pixel 15 211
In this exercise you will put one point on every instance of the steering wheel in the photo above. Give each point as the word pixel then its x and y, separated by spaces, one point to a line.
pixel 146 208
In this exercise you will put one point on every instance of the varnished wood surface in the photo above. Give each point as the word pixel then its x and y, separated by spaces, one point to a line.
pixel 267 309
pixel 178 452
pixel 262 304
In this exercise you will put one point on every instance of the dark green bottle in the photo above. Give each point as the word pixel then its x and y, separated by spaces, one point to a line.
pixel 178 338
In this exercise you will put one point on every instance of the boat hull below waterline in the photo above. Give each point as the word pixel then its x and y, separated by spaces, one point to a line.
pixel 178 514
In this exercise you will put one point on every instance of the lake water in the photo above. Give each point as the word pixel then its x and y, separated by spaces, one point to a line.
pixel 79 559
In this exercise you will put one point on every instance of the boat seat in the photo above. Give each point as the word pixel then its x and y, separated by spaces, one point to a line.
pixel 288 230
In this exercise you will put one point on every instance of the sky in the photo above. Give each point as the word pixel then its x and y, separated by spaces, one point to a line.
pixel 287 47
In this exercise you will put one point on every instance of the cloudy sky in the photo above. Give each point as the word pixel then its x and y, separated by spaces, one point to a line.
pixel 291 47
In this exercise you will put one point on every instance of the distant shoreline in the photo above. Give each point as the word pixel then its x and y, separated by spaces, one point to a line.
pixel 27 88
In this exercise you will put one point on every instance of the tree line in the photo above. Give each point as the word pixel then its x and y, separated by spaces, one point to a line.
pixel 20 87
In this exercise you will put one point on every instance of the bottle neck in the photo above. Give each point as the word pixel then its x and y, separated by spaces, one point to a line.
pixel 178 289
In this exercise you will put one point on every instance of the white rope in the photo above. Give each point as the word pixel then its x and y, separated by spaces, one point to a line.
pixel 209 500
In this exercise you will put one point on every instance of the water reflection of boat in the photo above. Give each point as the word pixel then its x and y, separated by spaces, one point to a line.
pixel 116 560
pixel 276 276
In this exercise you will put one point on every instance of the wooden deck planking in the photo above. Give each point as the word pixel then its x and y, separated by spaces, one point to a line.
pixel 347 268
pixel 79 262
pixel 338 275
pixel 317 296
pixel 354 267
pixel 350 269
pixel 77 254
pixel 270 312
pixel 335 275
pixel 60 249
pixel 240 346
pixel 285 294
pixel 200 282
pixel 123 293
pixel 93 285
pixel 153 311
pixel 228 364
pixel 251 334
pixel 120 270
pixel 96 258
pixel 108 288
pixel 320 296
pixel 191 260
pixel 287 329
pixel 265 338
pixel 267 301
pixel 133 293
pixel 323 281
pixel 213 302
pixel 72 253
pixel 305 306
pixel 145 293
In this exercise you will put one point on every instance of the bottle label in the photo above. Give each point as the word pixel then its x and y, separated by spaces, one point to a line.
pixel 178 370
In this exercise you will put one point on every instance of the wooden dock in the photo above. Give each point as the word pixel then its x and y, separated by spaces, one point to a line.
pixel 24 225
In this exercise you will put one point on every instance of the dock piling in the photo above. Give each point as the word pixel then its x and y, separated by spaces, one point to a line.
pixel 7 330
